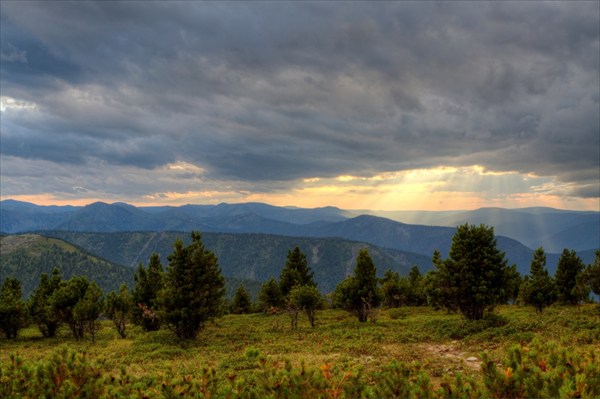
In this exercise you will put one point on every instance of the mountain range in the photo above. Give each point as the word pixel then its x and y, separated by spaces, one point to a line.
pixel 518 230
pixel 111 258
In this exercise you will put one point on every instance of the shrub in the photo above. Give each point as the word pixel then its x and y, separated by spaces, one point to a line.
pixel 12 308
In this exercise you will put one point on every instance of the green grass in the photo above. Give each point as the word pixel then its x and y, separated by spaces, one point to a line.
pixel 235 344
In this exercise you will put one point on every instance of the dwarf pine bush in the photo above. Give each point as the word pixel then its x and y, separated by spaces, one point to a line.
pixel 537 370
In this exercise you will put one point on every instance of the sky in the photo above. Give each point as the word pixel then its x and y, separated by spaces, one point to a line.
pixel 360 105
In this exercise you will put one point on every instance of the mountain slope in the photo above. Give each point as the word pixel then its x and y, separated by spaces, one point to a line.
pixel 248 256
pixel 26 257
pixel 551 228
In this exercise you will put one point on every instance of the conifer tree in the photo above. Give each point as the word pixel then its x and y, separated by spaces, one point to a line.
pixel 359 293
pixel 193 290
pixel 475 276
pixel 568 269
pixel 148 282
pixel 270 296
pixel 89 308
pixel 307 298
pixel 241 303
pixel 415 292
pixel 513 284
pixel 118 309
pixel 391 290
pixel 40 309
pixel 12 308
pixel 539 289
pixel 436 285
pixel 593 274
pixel 295 272
pixel 79 303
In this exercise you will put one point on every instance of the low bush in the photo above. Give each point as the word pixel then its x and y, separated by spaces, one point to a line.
pixel 540 370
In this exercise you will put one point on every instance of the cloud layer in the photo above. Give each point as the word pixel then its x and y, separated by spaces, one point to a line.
pixel 257 97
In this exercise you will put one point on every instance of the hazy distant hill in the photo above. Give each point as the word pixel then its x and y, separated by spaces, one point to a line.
pixel 554 229
pixel 248 256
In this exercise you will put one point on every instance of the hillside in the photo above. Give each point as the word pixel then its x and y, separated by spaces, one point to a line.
pixel 247 256
pixel 554 229
pixel 26 257
pixel 551 228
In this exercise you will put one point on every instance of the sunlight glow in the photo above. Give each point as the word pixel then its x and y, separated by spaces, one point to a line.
pixel 440 188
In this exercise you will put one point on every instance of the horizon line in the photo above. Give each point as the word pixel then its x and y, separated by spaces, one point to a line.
pixel 147 205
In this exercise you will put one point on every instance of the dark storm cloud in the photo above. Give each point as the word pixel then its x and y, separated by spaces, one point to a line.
pixel 279 91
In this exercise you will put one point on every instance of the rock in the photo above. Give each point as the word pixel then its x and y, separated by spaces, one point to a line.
pixel 471 359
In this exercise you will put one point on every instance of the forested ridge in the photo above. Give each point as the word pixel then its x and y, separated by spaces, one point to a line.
pixel 255 257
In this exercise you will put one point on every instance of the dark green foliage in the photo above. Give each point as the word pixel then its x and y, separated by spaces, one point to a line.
pixel 241 303
pixel 270 296
pixel 359 293
pixel 593 274
pixel 31 255
pixel 245 256
pixel 538 289
pixel 148 283
pixel 79 303
pixel 307 298
pixel 295 272
pixel 403 291
pixel 392 290
pixel 568 269
pixel 87 311
pixel 118 309
pixel 416 293
pixel 475 276
pixel 193 290
pixel 438 296
pixel 40 307
pixel 513 284
pixel 13 311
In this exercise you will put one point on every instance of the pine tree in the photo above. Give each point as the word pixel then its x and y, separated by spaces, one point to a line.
pixel 568 269
pixel 241 303
pixel 40 309
pixel 118 309
pixel 308 299
pixel 436 285
pixel 148 282
pixel 391 290
pixel 513 284
pixel 12 308
pixel 193 290
pixel 475 276
pixel 359 293
pixel 415 293
pixel 79 303
pixel 270 296
pixel 593 274
pixel 539 289
pixel 89 308
pixel 295 272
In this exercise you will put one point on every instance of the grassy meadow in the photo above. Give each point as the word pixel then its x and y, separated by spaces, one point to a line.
pixel 408 352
